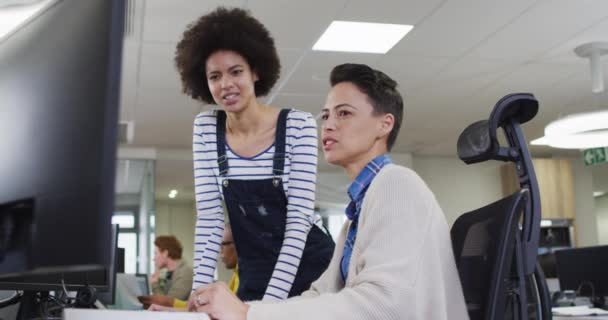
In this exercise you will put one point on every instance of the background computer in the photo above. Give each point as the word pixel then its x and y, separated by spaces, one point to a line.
pixel 59 97
pixel 585 271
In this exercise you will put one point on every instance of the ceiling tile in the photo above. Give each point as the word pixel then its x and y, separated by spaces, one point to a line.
pixel 165 21
pixel 398 12
pixel 543 27
pixel 458 26
pixel 296 24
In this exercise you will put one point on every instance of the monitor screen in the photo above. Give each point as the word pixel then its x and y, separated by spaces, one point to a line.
pixel 102 280
pixel 59 100
pixel 577 268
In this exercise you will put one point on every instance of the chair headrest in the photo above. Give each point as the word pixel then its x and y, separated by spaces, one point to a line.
pixel 475 143
pixel 478 142
pixel 521 107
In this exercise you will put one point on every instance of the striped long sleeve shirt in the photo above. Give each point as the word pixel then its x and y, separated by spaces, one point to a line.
pixel 298 182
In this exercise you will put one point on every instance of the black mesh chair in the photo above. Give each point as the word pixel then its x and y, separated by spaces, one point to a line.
pixel 496 246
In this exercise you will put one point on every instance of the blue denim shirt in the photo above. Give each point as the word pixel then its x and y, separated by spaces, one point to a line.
pixel 356 192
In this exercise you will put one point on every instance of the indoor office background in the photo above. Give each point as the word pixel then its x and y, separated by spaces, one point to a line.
pixel 458 60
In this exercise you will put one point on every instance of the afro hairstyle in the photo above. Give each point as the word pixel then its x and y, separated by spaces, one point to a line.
pixel 226 29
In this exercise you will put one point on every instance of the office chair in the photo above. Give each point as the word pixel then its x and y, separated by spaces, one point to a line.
pixel 496 246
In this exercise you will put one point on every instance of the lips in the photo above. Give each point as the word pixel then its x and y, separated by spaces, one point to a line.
pixel 230 98
pixel 328 143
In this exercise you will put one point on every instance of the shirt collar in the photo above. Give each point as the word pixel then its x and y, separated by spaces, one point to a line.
pixel 357 188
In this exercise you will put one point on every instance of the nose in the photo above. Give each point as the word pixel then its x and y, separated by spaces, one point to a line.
pixel 329 124
pixel 226 83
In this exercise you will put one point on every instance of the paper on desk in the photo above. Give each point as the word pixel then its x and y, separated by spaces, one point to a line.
pixel 578 311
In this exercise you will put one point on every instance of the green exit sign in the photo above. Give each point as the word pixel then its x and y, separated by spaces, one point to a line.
pixel 594 156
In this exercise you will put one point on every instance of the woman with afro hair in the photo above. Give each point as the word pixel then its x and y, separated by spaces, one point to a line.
pixel 253 160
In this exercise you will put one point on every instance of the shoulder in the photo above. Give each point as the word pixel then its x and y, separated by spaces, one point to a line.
pixel 398 184
pixel 300 119
pixel 205 117
pixel 400 177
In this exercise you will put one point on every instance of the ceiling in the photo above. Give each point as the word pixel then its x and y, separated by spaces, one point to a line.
pixel 460 58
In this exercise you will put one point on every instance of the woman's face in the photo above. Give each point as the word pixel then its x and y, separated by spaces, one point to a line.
pixel 351 133
pixel 230 80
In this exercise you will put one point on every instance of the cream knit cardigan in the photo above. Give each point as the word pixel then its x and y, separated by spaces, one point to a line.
pixel 402 265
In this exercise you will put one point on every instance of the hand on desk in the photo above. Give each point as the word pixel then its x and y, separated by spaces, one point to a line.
pixel 218 302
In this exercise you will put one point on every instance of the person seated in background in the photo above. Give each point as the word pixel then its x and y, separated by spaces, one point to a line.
pixel 393 259
pixel 229 258
pixel 173 276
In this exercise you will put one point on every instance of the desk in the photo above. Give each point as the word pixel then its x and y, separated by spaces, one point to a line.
pixel 93 314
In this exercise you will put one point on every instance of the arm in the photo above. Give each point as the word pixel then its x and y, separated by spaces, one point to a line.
pixel 210 215
pixel 302 136
pixel 398 270
pixel 156 289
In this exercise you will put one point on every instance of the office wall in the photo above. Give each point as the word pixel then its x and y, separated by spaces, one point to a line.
pixel 178 218
pixel 586 218
pixel 601 210
pixel 458 187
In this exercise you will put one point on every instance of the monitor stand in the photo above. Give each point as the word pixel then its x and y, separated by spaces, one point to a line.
pixel 31 307
pixel 598 302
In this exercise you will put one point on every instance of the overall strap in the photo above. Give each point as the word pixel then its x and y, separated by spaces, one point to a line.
pixel 278 163
pixel 220 136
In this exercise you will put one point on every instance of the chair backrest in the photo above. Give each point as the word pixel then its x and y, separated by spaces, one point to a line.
pixel 484 245
pixel 509 284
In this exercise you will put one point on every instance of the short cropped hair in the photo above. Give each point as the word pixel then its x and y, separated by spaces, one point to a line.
pixel 226 29
pixel 380 88
pixel 171 244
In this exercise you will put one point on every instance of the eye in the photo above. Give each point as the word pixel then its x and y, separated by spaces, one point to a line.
pixel 213 77
pixel 236 72
pixel 343 113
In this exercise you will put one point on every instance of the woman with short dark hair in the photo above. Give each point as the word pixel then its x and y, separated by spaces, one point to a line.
pixel 393 258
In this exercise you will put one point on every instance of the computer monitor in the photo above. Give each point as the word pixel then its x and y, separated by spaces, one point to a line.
pixel 103 280
pixel 108 291
pixel 547 263
pixel 120 260
pixel 59 101
pixel 582 268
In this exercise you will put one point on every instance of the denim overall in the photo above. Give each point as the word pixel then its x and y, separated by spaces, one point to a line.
pixel 257 210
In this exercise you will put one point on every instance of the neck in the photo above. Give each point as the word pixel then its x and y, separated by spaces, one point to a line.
pixel 247 121
pixel 172 264
pixel 355 167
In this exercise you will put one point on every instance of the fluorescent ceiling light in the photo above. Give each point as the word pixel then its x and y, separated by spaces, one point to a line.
pixel 577 131
pixel 172 193
pixel 598 193
pixel 15 14
pixel 349 36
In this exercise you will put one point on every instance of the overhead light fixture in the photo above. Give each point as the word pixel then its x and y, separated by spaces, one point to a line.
pixel 366 37
pixel 577 131
pixel 16 13
pixel 597 194
pixel 582 130
pixel 172 194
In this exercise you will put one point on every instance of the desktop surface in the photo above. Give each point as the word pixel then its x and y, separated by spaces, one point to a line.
pixel 92 314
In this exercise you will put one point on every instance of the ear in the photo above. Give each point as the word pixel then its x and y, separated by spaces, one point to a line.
pixel 255 76
pixel 387 121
